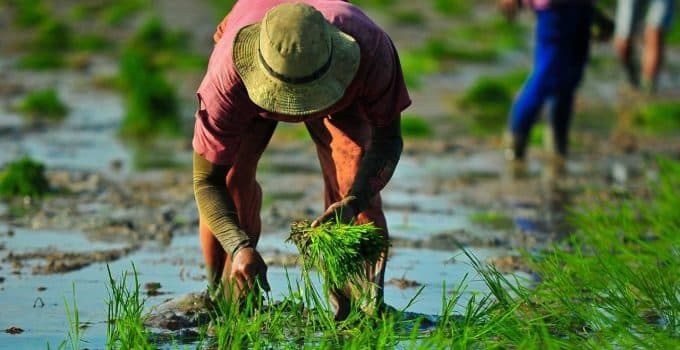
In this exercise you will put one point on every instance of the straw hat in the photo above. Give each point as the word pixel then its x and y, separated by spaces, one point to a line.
pixel 295 62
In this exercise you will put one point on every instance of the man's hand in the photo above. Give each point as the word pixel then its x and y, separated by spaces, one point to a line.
pixel 247 271
pixel 509 8
pixel 341 209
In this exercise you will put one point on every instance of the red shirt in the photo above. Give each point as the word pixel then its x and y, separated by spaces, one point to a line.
pixel 378 91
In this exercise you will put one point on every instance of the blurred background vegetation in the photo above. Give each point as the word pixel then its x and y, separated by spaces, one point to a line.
pixel 463 62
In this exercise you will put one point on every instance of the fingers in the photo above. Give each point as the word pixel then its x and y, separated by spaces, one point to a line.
pixel 251 277
pixel 262 280
pixel 331 212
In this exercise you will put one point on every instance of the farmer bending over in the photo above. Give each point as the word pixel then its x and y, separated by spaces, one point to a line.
pixel 320 62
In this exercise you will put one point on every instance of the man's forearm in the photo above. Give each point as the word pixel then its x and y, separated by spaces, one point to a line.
pixel 216 206
pixel 377 165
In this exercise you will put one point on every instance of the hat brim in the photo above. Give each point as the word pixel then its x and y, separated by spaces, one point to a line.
pixel 277 96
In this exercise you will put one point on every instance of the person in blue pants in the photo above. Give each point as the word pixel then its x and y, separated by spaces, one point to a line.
pixel 563 31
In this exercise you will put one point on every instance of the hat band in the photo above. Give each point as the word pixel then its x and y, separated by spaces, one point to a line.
pixel 297 80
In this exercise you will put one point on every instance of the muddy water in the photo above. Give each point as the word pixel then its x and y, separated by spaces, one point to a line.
pixel 85 140
pixel 35 303
pixel 426 211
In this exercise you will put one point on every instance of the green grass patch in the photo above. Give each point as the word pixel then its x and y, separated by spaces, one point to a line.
pixel 152 107
pixel 41 61
pixel 415 127
pixel 452 7
pixel 380 4
pixel 91 42
pixel 43 105
pixel 408 17
pixel 617 280
pixel 222 8
pixel 53 36
pixel 28 13
pixel 445 49
pixel 537 137
pixel 493 219
pixel 154 36
pixel 415 65
pixel 489 99
pixel 22 178
pixel 495 33
pixel 116 13
pixel 658 117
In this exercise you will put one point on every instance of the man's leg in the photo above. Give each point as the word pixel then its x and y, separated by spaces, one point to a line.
pixel 537 88
pixel 247 196
pixel 652 58
pixel 659 16
pixel 574 52
pixel 340 142
pixel 628 17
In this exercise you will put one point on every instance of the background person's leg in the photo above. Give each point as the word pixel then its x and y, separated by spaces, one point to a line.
pixel 659 16
pixel 537 88
pixel 574 52
pixel 629 13
pixel 340 142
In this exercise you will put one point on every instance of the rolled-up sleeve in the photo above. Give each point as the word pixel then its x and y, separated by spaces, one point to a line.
pixel 223 116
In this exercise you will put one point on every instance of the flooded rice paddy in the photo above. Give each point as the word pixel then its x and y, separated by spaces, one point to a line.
pixel 116 203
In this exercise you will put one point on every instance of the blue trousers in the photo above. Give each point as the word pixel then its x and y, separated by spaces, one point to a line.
pixel 562 47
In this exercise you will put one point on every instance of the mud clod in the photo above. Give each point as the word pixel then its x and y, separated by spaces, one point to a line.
pixel 403 283
pixel 14 330
pixel 61 262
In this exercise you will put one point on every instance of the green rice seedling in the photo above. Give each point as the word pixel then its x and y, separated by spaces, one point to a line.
pixel 488 102
pixel 415 127
pixel 493 219
pixel 339 252
pixel 43 105
pixel 408 17
pixel 452 7
pixel 52 36
pixel 74 334
pixel 41 61
pixel 91 42
pixel 538 136
pixel 125 327
pixel 53 39
pixel 380 4
pixel 23 177
pixel 151 101
pixel 28 13
pixel 117 12
pixel 658 117
pixel 154 36
pixel 415 65
pixel 494 33
pixel 489 99
pixel 222 7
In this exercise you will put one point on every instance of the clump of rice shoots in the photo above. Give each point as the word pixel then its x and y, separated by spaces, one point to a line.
pixel 339 252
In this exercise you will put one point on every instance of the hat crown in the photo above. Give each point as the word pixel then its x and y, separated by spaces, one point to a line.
pixel 294 41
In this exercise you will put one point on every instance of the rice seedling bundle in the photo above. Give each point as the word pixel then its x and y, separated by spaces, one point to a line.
pixel 339 252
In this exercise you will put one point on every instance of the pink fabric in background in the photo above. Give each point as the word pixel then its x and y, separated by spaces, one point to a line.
pixel 544 4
